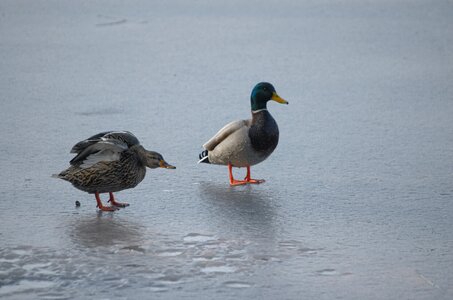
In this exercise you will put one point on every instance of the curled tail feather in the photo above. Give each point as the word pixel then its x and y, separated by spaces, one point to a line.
pixel 204 157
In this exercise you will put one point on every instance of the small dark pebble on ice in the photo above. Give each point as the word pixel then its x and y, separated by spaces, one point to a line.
pixel 77 204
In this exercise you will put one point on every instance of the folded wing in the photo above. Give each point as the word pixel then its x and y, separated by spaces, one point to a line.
pixel 105 146
pixel 224 133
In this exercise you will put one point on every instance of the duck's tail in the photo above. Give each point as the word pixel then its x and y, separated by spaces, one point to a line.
pixel 60 175
pixel 204 157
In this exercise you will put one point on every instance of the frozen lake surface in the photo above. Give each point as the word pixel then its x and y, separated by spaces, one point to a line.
pixel 358 202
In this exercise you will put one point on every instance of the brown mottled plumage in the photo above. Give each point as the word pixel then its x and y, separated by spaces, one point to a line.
pixel 110 162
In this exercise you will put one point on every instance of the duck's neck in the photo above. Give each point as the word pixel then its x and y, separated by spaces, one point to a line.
pixel 262 117
pixel 257 103
pixel 141 154
pixel 258 110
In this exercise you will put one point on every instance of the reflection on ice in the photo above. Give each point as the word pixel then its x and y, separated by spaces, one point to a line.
pixel 239 209
pixel 104 230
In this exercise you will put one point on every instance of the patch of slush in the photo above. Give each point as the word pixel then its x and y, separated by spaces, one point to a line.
pixel 159 264
pixel 169 253
pixel 196 238
pixel 327 272
pixel 237 284
pixel 25 286
pixel 218 269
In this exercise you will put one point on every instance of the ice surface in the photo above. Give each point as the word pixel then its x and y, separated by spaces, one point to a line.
pixel 357 202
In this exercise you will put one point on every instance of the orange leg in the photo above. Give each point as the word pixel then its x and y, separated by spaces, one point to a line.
pixel 233 181
pixel 247 179
pixel 117 204
pixel 250 180
pixel 102 207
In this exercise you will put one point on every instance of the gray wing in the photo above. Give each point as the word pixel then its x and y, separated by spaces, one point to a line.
pixel 224 133
pixel 104 146
pixel 124 136
pixel 80 146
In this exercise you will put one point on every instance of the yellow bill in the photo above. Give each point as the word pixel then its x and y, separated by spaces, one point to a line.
pixel 278 99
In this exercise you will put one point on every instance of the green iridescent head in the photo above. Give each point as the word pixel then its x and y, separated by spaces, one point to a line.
pixel 263 92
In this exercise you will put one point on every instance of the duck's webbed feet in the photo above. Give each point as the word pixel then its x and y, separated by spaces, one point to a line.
pixel 247 179
pixel 235 182
pixel 254 181
pixel 101 206
pixel 251 180
pixel 117 204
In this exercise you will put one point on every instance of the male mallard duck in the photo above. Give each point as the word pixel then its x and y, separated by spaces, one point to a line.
pixel 245 143
pixel 110 162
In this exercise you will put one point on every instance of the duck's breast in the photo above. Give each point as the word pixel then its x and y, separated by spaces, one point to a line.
pixel 263 133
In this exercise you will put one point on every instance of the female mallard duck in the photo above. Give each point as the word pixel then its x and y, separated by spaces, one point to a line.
pixel 110 162
pixel 245 143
